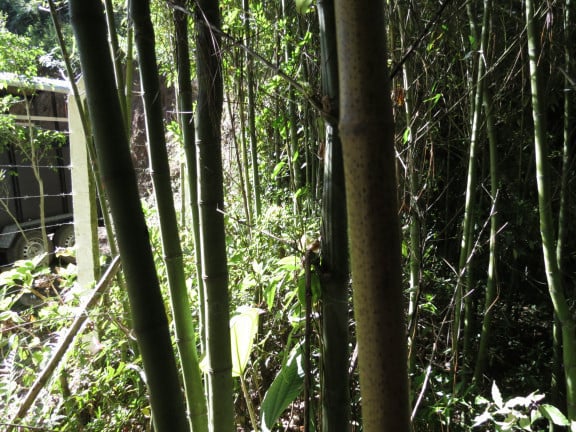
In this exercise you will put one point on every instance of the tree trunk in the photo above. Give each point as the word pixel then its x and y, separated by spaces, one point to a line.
pixel 116 58
pixel 412 180
pixel 465 280
pixel 242 146
pixel 252 112
pixel 553 277
pixel 185 101
pixel 492 280
pixel 239 147
pixel 567 156
pixel 170 236
pixel 367 132
pixel 491 295
pixel 334 269
pixel 148 315
pixel 211 205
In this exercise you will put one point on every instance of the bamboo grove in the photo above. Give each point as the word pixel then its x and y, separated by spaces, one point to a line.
pixel 384 191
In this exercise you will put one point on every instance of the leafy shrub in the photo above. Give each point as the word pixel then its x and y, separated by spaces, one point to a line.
pixel 518 413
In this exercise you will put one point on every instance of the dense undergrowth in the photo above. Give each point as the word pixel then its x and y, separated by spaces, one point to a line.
pixel 100 385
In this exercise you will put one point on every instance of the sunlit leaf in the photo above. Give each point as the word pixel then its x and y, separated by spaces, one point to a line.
pixel 482 418
pixel 278 169
pixel 295 156
pixel 405 250
pixel 496 395
pixel 290 263
pixel 243 330
pixel 518 401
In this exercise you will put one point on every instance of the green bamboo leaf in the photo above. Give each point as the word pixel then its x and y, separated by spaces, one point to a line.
pixel 295 156
pixel 277 169
pixel 243 329
pixel 406 135
pixel 284 389
pixel 554 415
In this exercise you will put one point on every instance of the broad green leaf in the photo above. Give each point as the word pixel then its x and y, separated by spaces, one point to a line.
pixel 554 415
pixel 525 423
pixel 290 263
pixel 243 329
pixel 535 415
pixel 496 395
pixel 284 389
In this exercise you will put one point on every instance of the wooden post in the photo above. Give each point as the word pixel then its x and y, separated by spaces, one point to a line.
pixel 83 198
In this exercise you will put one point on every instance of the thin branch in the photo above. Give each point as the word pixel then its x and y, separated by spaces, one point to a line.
pixel 418 41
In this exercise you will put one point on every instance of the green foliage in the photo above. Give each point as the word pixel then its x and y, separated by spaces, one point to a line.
pixel 22 15
pixel 100 386
pixel 303 6
pixel 19 281
pixel 18 54
pixel 265 263
pixel 518 413
pixel 265 255
pixel 30 19
pixel 286 387
pixel 29 139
